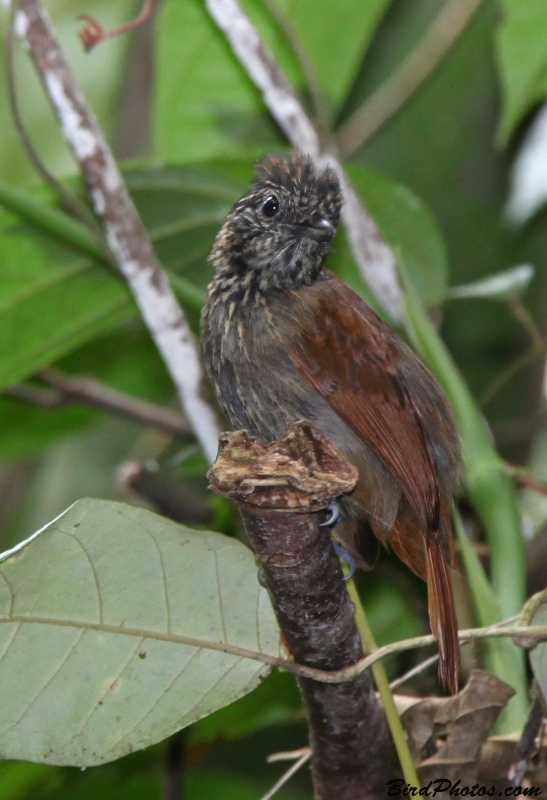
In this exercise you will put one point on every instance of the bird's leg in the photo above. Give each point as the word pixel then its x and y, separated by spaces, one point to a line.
pixel 345 556
pixel 335 515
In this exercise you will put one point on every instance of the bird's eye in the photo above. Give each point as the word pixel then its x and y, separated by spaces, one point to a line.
pixel 270 206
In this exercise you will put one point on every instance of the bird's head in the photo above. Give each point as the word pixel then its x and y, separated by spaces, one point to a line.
pixel 281 230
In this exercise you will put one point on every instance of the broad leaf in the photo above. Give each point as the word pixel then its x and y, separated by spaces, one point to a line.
pixel 522 58
pixel 334 36
pixel 409 227
pixel 96 614
pixel 125 359
pixel 500 286
pixel 53 298
pixel 205 103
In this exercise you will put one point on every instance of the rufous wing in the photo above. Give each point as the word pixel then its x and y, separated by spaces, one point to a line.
pixel 352 359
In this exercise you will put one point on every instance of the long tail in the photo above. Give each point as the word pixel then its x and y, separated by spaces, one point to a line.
pixel 442 613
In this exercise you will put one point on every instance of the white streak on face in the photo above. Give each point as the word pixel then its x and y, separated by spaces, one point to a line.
pixel 80 138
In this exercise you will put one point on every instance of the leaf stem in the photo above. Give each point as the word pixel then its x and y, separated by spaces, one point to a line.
pixel 407 78
pixel 384 690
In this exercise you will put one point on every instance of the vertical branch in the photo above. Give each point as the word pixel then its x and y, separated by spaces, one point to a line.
pixel 373 255
pixel 124 230
pixel 280 489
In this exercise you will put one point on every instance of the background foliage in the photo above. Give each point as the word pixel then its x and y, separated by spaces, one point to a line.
pixel 437 178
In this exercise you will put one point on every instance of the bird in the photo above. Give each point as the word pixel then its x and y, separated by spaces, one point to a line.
pixel 284 339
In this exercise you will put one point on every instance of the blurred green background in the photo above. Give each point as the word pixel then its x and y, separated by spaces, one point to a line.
pixel 171 93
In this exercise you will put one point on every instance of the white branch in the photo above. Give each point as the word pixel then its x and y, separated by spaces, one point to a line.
pixel 124 230
pixel 373 255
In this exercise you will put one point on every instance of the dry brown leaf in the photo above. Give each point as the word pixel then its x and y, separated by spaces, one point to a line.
pixel 446 734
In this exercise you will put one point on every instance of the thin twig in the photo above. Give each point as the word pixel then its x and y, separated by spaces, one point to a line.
pixel 531 634
pixel 94 33
pixel 537 346
pixel 82 389
pixel 288 755
pixel 530 739
pixel 174 766
pixel 384 690
pixel 410 75
pixel 46 398
pixel 70 202
pixel 433 659
pixel 521 313
pixel 124 230
pixel 522 478
pixel 373 256
pixel 313 85
pixel 287 775
pixel 414 671
pixel 509 372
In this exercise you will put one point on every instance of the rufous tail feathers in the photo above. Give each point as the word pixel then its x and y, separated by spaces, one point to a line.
pixel 442 614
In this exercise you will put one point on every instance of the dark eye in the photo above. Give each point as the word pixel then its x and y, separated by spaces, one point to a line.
pixel 271 206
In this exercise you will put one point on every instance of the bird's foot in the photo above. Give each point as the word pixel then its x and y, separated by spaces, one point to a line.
pixel 345 556
pixel 335 515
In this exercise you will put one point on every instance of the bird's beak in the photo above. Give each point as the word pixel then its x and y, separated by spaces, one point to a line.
pixel 321 230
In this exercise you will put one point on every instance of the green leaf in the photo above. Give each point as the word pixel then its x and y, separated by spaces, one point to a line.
pixel 125 359
pixel 184 206
pixel 97 610
pixel 410 229
pixel 53 298
pixel 335 37
pixel 205 103
pixel 522 59
pixel 500 286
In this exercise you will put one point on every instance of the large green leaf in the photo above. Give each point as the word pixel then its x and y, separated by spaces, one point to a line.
pixel 410 229
pixel 205 103
pixel 96 611
pixel 333 37
pixel 53 298
pixel 522 58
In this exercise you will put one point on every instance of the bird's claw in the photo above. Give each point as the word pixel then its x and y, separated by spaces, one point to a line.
pixel 335 515
pixel 345 556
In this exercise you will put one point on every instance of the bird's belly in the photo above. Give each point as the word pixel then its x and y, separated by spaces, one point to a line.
pixel 275 395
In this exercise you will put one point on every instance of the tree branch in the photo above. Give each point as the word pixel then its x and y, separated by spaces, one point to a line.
pixel 279 489
pixel 170 498
pixel 372 254
pixel 125 233
pixel 414 70
pixel 82 389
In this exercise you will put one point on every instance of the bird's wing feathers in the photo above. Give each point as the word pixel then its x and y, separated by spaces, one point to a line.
pixel 349 357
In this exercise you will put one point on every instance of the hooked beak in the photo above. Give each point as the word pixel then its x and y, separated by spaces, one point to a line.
pixel 321 230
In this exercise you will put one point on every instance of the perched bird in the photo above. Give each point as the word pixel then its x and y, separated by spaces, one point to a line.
pixel 284 339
